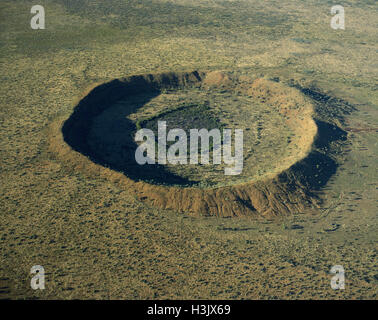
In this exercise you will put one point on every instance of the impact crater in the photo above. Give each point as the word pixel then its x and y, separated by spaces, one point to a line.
pixel 279 158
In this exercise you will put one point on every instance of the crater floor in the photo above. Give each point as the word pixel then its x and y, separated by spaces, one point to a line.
pixel 271 141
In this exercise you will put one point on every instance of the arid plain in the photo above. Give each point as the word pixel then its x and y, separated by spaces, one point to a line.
pixel 95 238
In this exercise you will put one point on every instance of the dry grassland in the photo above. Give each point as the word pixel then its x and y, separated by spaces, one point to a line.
pixel 95 239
